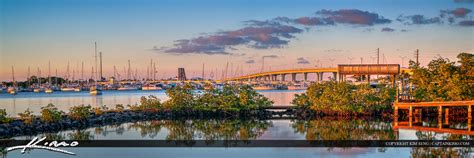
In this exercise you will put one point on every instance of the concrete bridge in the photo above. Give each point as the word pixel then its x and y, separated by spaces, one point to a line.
pixel 340 73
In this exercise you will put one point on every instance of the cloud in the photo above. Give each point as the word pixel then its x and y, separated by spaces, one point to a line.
pixel 270 56
pixel 352 16
pixel 418 20
pixel 464 1
pixel 268 34
pixel 466 23
pixel 250 61
pixel 302 60
pixel 404 30
pixel 387 29
pixel 457 13
pixel 258 37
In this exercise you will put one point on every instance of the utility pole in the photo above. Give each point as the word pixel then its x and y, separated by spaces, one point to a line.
pixel 361 60
pixel 378 56
pixel 332 61
pixel 403 59
pixel 350 59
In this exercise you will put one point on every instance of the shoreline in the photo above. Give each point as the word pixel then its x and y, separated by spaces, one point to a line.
pixel 18 127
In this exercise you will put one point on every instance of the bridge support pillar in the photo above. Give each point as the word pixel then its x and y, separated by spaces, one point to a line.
pixel 318 79
pixel 293 77
pixel 321 76
pixel 334 75
pixel 305 76
pixel 368 79
pixel 283 77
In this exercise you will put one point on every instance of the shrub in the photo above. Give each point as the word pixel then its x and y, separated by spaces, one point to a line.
pixel 100 110
pixel 180 98
pixel 152 102
pixel 344 98
pixel 119 108
pixel 80 112
pixel 27 116
pixel 50 113
pixel 4 117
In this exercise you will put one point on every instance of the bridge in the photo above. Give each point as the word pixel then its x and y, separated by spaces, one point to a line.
pixel 340 73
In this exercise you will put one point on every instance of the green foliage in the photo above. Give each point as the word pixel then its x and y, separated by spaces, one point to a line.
pixel 100 110
pixel 4 117
pixel 229 98
pixel 27 116
pixel 119 108
pixel 181 98
pixel 443 80
pixel 344 98
pixel 50 113
pixel 80 112
pixel 148 103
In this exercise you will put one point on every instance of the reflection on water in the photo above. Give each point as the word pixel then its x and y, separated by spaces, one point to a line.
pixel 316 129
pixel 15 104
pixel 322 129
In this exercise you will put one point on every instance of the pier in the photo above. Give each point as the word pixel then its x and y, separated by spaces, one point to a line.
pixel 415 113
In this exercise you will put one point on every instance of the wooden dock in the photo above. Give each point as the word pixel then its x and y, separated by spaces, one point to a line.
pixel 440 105
pixel 443 108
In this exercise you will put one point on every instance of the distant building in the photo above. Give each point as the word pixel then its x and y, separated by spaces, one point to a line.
pixel 181 74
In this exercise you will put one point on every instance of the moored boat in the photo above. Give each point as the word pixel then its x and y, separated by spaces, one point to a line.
pixel 151 87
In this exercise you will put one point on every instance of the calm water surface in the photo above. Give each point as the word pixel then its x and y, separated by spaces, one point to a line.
pixel 316 129
pixel 15 104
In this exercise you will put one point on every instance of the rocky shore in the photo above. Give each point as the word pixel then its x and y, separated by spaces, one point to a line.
pixel 18 127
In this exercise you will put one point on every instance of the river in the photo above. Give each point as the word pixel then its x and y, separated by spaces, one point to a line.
pixel 286 129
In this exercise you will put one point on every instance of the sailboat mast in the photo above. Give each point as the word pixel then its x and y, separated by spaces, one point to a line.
pixel 13 77
pixel 95 57
pixel 100 56
pixel 49 72
pixel 28 77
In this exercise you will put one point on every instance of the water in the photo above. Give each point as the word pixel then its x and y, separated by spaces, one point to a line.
pixel 15 104
pixel 319 129
pixel 316 129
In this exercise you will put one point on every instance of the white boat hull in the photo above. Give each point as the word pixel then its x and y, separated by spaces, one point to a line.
pixel 263 88
pixel 151 88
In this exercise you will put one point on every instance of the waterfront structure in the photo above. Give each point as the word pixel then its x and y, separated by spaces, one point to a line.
pixel 181 74
pixel 340 73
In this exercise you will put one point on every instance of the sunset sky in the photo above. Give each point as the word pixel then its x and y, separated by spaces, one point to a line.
pixel 188 33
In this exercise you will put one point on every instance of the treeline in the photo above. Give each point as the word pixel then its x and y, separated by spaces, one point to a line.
pixel 341 98
pixel 444 80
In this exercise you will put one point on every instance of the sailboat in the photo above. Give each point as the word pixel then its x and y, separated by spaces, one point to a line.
pixel 95 89
pixel 13 90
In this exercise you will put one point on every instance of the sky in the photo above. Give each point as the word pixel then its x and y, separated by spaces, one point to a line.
pixel 285 34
